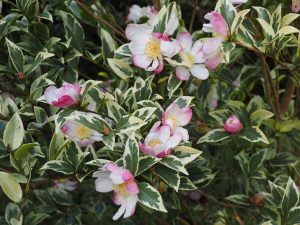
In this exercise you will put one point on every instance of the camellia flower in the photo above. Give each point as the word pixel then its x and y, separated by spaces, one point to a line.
pixel 212 52
pixel 159 142
pixel 83 135
pixel 175 118
pixel 136 13
pixel 238 2
pixel 233 125
pixel 148 48
pixel 192 58
pixel 217 25
pixel 66 96
pixel 121 181
pixel 295 6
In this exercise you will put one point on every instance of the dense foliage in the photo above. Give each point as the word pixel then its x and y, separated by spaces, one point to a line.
pixel 166 112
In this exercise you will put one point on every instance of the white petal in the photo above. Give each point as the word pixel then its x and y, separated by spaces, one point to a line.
pixel 185 40
pixel 116 178
pixel 141 61
pixel 120 212
pixel 131 201
pixel 183 132
pixel 208 28
pixel 51 94
pixel 200 72
pixel 174 140
pixel 182 73
pixel 169 49
pixel 172 24
pixel 196 48
pixel 103 183
pixel 137 31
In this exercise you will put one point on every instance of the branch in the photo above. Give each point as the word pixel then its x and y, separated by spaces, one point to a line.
pixel 195 3
pixel 287 97
pixel 85 8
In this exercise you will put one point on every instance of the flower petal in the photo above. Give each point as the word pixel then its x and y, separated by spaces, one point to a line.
pixel 131 201
pixel 185 40
pixel 199 71
pixel 103 183
pixel 120 212
pixel 182 73
pixel 183 132
pixel 174 140
pixel 141 61
pixel 51 94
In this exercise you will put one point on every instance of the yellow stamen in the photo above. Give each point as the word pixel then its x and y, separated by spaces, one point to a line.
pixel 152 49
pixel 121 189
pixel 83 132
pixel 154 143
pixel 188 59
pixel 173 120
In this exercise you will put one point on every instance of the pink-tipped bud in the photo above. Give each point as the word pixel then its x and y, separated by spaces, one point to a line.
pixel 233 125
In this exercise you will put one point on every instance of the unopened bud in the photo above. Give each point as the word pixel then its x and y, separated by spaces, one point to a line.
pixel 233 125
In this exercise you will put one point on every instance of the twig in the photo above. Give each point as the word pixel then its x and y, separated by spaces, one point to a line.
pixel 195 4
pixel 100 19
pixel 157 5
pixel 287 97
pixel 238 218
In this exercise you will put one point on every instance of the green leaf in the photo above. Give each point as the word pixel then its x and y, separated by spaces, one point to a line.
pixel 10 187
pixel 131 155
pixel 13 214
pixel 174 163
pixel 15 55
pixel 277 193
pixel 41 56
pixel 256 161
pixel 73 31
pixel 14 132
pixel 58 166
pixel 238 20
pixel 186 154
pixel 150 197
pixel 145 113
pixel 259 116
pixel 294 216
pixel 290 197
pixel 121 68
pixel 173 85
pixel 34 218
pixel 214 136
pixel 183 101
pixel 288 18
pixel 227 10
pixel 239 199
pixel 108 44
pixel 186 184
pixel 145 162
pixel 253 134
pixel 170 176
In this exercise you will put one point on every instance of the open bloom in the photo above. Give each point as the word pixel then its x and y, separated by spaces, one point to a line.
pixel 175 118
pixel 159 142
pixel 217 25
pixel 192 58
pixel 212 52
pixel 136 13
pixel 66 96
pixel 237 2
pixel 148 48
pixel 121 181
pixel 295 6
pixel 233 125
pixel 83 135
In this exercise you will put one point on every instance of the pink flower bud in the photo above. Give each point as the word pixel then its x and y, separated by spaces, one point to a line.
pixel 233 125
pixel 295 6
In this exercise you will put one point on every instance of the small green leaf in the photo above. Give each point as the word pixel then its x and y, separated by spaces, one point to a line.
pixel 239 199
pixel 214 136
pixel 15 55
pixel 131 155
pixel 14 132
pixel 13 214
pixel 10 187
pixel 121 68
pixel 290 197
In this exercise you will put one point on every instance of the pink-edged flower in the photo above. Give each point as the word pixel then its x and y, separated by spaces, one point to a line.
pixel 192 58
pixel 114 178
pixel 65 184
pixel 82 135
pixel 238 2
pixel 159 141
pixel 233 125
pixel 175 118
pixel 149 48
pixel 295 6
pixel 217 25
pixel 66 96
pixel 137 12
pixel 212 52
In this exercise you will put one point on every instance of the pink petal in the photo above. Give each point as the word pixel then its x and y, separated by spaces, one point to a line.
pixel 127 175
pixel 214 62
pixel 183 132
pixel 64 102
pixel 132 187
pixel 146 150
pixel 185 40
pixel 160 66
pixel 164 153
pixel 182 73
pixel 219 24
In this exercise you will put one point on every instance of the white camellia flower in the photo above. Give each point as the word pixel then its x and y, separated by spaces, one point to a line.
pixel 137 12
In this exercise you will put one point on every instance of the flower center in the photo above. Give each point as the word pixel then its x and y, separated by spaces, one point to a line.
pixel 153 143
pixel 121 189
pixel 173 120
pixel 153 48
pixel 188 59
pixel 83 132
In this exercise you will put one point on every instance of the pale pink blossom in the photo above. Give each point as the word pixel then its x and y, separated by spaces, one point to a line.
pixel 82 135
pixel 137 12
pixel 65 184
pixel 295 6
pixel 175 118
pixel 217 25
pixel 233 125
pixel 192 58
pixel 238 2
pixel 212 52
pixel 159 141
pixel 66 96
pixel 114 178
pixel 149 48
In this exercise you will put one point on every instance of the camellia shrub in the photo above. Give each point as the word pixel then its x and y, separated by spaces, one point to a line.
pixel 149 112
